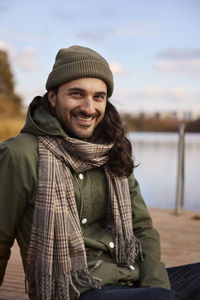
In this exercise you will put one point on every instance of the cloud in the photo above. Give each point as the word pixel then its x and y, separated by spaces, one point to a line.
pixel 153 99
pixel 118 69
pixel 90 36
pixel 12 34
pixel 28 93
pixel 4 7
pixel 24 59
pixel 179 61
pixel 4 46
pixel 178 94
pixel 179 54
pixel 138 29
pixel 100 10
pixel 95 36
pixel 188 67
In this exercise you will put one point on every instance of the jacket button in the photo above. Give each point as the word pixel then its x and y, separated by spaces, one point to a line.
pixel 111 245
pixel 80 176
pixel 84 221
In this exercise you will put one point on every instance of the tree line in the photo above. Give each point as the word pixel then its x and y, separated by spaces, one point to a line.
pixel 143 123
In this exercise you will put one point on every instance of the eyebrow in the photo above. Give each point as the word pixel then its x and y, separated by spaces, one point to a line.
pixel 83 91
pixel 101 93
pixel 76 89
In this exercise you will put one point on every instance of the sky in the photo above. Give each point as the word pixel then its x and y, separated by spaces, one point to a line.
pixel 152 46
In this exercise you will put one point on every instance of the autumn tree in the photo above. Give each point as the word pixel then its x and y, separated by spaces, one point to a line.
pixel 10 102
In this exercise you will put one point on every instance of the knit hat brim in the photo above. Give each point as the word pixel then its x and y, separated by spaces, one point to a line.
pixel 85 63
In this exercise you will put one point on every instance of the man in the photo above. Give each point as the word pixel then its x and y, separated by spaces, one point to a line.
pixel 68 195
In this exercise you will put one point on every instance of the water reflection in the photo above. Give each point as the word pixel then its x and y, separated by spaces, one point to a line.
pixel 156 154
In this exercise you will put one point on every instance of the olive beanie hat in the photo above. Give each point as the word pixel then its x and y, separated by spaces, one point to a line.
pixel 79 62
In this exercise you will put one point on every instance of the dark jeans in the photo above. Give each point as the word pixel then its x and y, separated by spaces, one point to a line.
pixel 185 282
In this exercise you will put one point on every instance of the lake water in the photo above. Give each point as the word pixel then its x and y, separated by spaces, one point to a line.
pixel 157 154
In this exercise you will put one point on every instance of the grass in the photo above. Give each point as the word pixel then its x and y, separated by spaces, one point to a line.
pixel 10 127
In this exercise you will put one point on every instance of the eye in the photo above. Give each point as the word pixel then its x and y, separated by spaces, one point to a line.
pixel 76 94
pixel 100 97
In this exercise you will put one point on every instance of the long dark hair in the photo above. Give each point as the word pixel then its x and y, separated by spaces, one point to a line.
pixel 120 156
pixel 110 130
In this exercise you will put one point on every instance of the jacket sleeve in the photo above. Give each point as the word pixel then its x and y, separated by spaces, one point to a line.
pixel 12 203
pixel 152 271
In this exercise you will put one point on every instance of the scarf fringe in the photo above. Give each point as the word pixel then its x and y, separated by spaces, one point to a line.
pixel 49 288
pixel 58 286
pixel 84 278
pixel 128 250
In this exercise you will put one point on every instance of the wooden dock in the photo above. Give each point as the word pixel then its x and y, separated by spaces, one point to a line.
pixel 180 240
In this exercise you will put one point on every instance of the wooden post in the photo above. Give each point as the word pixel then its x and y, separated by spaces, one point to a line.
pixel 180 171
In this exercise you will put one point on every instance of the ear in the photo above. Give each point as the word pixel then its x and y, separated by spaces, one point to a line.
pixel 52 98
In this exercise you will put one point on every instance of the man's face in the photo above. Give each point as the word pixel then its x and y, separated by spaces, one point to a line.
pixel 80 105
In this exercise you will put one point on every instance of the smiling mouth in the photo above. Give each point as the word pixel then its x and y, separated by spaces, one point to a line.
pixel 85 121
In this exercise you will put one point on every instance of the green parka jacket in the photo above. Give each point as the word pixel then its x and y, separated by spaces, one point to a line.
pixel 18 188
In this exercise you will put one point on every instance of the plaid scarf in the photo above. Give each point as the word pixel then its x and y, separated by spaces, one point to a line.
pixel 56 252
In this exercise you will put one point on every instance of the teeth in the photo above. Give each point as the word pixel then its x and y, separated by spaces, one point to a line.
pixel 84 119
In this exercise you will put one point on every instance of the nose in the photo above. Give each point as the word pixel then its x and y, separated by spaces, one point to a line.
pixel 87 105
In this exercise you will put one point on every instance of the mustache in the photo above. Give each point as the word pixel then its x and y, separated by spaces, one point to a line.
pixel 84 114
